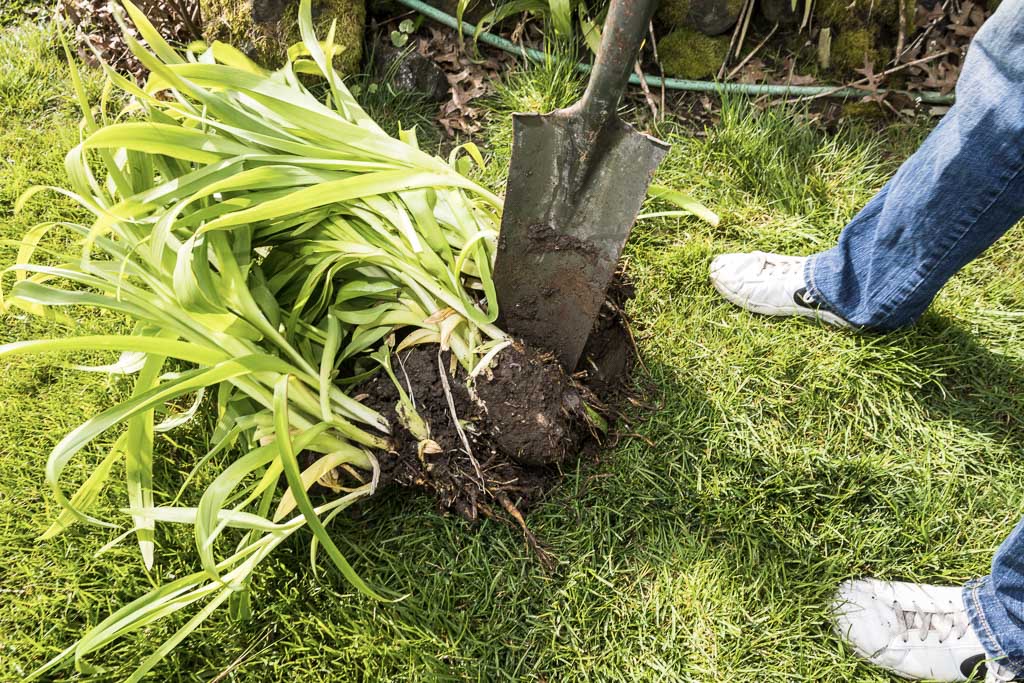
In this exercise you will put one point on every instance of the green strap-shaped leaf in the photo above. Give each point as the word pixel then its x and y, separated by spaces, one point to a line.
pixel 211 505
pixel 153 39
pixel 331 347
pixel 172 141
pixel 187 382
pixel 561 16
pixel 138 447
pixel 193 353
pixel 683 201
pixel 283 440
pixel 88 492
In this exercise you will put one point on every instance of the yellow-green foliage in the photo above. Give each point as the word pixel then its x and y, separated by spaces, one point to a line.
pixel 686 53
pixel 230 21
pixel 850 49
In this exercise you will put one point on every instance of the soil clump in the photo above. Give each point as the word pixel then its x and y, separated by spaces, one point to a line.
pixel 496 443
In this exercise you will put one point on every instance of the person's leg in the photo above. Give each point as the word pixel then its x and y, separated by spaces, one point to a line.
pixel 995 604
pixel 961 191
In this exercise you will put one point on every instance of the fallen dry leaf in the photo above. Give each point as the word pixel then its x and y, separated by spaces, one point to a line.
pixel 99 38
pixel 470 77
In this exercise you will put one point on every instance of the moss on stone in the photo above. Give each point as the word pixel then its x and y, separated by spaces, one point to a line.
pixel 865 111
pixel 849 13
pixel 231 21
pixel 686 53
pixel 851 48
pixel 734 6
pixel 866 14
pixel 692 13
pixel 673 13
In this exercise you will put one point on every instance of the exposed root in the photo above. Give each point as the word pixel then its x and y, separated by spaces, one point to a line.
pixel 455 418
pixel 502 441
pixel 543 556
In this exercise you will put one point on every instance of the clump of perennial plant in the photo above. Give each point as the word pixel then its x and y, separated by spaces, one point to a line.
pixel 317 289
pixel 260 242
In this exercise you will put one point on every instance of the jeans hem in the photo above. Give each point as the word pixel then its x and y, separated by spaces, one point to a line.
pixel 980 623
pixel 816 295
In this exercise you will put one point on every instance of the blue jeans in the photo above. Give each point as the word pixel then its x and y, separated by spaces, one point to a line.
pixel 947 203
pixel 960 192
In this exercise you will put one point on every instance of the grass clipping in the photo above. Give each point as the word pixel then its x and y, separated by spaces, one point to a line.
pixel 257 238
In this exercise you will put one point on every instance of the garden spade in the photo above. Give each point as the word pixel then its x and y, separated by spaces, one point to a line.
pixel 577 180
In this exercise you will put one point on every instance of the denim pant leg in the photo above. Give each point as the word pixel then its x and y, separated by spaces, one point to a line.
pixel 960 192
pixel 995 604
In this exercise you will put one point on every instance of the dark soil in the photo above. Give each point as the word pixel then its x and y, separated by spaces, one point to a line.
pixel 521 420
pixel 610 352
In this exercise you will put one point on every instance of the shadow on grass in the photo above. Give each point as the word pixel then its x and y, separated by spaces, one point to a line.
pixel 978 388
pixel 657 557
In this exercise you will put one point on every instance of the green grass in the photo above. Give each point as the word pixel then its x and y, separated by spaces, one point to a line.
pixel 776 459
pixel 12 12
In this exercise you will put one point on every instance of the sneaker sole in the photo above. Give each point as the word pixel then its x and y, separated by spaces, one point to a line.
pixel 780 311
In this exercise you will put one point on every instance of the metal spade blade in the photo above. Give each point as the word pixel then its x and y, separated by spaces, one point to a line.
pixel 577 179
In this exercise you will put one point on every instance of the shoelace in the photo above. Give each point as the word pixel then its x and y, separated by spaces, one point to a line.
pixel 786 267
pixel 945 624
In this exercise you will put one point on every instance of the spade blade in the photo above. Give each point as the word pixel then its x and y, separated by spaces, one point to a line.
pixel 574 192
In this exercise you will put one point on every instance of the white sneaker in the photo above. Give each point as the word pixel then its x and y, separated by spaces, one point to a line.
pixel 770 284
pixel 914 630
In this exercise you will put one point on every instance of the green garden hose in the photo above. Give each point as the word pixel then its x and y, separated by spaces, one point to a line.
pixel 437 15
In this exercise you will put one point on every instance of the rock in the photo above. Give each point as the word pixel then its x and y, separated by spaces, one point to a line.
pixel 710 17
pixel 686 53
pixel 673 13
pixel 781 11
pixel 265 11
pixel 865 14
pixel 265 29
pixel 407 70
pixel 714 17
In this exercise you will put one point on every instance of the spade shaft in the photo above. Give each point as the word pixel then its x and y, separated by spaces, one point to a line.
pixel 576 182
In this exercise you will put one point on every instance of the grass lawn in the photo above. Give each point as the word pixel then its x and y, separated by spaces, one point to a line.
pixel 776 458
